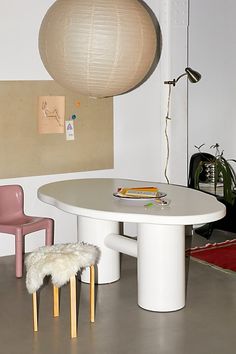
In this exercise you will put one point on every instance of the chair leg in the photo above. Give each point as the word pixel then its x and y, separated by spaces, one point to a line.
pixel 19 254
pixel 35 312
pixel 73 314
pixel 55 301
pixel 92 295
pixel 49 231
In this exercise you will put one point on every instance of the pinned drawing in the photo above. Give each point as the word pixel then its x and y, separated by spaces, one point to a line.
pixel 51 114
pixel 69 130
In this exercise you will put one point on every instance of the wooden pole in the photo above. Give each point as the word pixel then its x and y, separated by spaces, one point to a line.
pixel 35 312
pixel 92 295
pixel 55 301
pixel 73 320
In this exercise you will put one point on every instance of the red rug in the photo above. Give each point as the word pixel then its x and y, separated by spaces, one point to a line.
pixel 221 255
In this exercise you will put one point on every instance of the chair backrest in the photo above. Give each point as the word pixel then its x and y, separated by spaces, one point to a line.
pixel 11 202
pixel 194 163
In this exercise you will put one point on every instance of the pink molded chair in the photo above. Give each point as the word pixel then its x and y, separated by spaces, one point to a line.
pixel 14 221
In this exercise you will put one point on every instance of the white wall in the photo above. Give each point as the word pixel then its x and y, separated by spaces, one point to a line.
pixel 139 144
pixel 175 61
pixel 212 51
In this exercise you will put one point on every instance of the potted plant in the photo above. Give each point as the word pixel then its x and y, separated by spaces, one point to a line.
pixel 216 170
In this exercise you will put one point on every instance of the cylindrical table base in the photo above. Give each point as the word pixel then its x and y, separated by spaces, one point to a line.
pixel 94 231
pixel 161 267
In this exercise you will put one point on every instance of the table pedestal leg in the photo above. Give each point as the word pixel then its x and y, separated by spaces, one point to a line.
pixel 161 267
pixel 94 231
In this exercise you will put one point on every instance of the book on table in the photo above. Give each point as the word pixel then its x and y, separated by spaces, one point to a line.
pixel 138 192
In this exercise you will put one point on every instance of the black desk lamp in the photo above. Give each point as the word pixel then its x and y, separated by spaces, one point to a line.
pixel 192 75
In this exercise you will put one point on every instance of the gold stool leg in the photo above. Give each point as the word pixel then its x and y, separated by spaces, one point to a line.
pixel 35 312
pixel 73 322
pixel 92 295
pixel 55 301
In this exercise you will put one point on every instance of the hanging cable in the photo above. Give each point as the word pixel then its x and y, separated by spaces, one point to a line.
pixel 167 118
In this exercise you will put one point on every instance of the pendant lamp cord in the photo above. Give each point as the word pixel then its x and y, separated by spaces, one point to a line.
pixel 166 135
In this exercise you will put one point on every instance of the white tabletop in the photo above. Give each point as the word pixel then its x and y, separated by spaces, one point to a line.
pixel 94 198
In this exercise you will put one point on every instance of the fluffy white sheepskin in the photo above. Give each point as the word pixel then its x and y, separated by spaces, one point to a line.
pixel 60 261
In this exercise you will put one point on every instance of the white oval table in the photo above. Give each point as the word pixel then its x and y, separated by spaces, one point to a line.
pixel 160 244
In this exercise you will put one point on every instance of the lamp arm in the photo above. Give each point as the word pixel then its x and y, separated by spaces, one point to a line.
pixel 173 82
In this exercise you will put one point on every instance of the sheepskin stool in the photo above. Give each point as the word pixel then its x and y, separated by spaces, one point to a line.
pixel 62 262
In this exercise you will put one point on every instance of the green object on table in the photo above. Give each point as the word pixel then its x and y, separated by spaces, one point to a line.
pixel 148 204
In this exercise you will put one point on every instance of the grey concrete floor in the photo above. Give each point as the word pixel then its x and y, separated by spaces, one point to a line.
pixel 207 325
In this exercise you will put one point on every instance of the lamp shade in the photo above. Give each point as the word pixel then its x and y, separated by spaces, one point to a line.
pixel 193 75
pixel 98 47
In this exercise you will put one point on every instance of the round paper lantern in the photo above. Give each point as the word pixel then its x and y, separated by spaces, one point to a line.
pixel 98 47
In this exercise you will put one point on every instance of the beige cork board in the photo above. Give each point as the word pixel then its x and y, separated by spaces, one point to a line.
pixel 26 152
